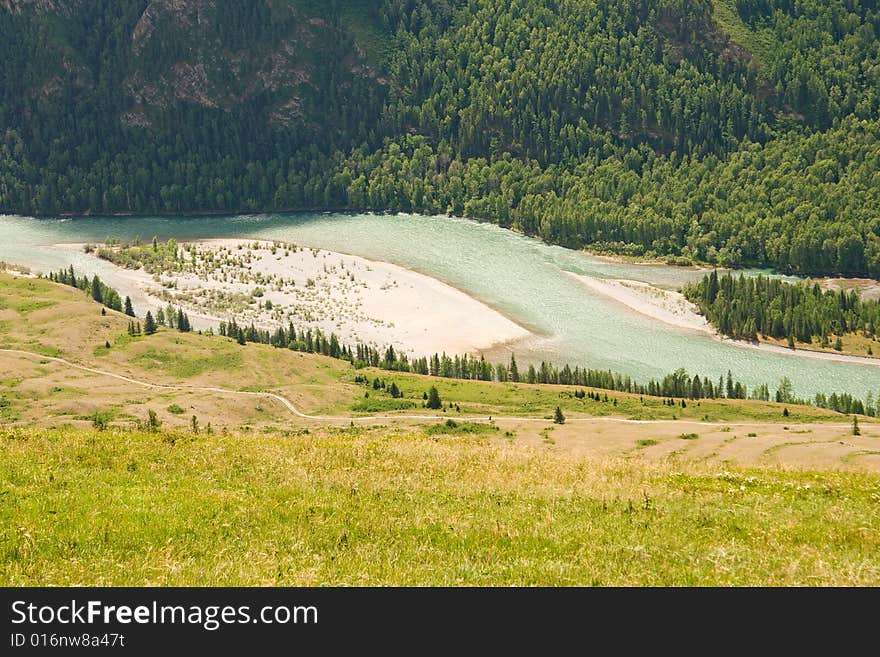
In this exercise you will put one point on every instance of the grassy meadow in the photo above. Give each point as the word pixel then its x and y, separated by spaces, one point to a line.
pixel 385 506
pixel 628 491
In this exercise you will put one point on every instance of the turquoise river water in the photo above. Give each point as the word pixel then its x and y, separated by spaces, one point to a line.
pixel 518 276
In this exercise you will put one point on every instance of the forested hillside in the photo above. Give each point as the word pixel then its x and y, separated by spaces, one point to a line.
pixel 743 132
pixel 743 307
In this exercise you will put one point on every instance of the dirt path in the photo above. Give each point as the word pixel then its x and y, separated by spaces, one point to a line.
pixel 289 405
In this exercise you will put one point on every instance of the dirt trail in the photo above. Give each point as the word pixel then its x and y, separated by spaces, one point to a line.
pixel 289 405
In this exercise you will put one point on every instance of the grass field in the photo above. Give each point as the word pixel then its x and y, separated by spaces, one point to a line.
pixel 627 491
pixel 384 506
pixel 852 344
pixel 54 320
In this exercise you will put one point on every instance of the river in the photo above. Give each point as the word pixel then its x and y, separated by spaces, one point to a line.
pixel 518 276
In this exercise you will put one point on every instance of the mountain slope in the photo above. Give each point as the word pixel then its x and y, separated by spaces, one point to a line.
pixel 634 128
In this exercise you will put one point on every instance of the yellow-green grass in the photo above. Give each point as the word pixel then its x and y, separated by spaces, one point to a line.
pixel 61 321
pixel 281 500
pixel 51 394
pixel 73 328
pixel 536 400
pixel 359 507
pixel 851 344
pixel 759 43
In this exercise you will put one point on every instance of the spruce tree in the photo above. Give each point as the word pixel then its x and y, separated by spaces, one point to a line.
pixel 128 308
pixel 558 417
pixel 514 371
pixel 434 401
pixel 855 428
pixel 149 324
pixel 96 289
pixel 183 324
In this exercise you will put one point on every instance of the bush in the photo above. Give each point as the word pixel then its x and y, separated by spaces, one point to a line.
pixel 461 428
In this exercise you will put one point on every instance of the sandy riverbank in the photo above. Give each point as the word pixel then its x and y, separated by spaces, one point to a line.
pixel 272 283
pixel 673 309
pixel 662 305
pixel 867 288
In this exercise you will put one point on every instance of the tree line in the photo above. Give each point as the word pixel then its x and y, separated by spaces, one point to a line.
pixel 745 306
pixel 104 294
pixel 95 288
pixel 677 385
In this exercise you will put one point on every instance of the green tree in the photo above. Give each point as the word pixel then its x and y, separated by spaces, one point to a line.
pixel 434 401
pixel 513 369
pixel 785 391
pixel 97 292
pixel 558 417
pixel 149 324
pixel 183 324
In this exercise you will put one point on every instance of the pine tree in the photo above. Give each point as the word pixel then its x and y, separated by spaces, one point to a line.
pixel 434 401
pixel 96 289
pixel 183 321
pixel 514 371
pixel 149 324
pixel 558 417
pixel 785 392
pixel 394 390
pixel 128 308
pixel 855 428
